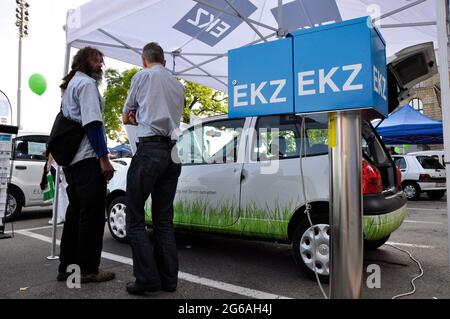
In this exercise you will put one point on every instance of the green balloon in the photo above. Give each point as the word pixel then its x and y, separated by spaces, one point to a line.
pixel 37 83
pixel 397 150
pixel 406 147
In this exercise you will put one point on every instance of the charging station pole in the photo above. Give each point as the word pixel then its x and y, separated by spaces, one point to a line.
pixel 339 69
pixel 346 243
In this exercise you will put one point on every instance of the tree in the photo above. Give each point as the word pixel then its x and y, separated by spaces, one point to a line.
pixel 203 101
pixel 115 96
pixel 199 100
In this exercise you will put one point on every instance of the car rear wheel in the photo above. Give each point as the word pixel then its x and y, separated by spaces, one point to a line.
pixel 117 219
pixel 436 194
pixel 372 245
pixel 15 205
pixel 311 246
pixel 411 190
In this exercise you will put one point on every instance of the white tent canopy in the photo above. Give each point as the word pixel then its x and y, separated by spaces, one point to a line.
pixel 197 34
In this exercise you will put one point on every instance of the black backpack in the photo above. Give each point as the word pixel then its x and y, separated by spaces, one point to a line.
pixel 65 139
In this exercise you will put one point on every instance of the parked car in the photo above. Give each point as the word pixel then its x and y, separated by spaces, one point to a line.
pixel 28 165
pixel 249 184
pixel 421 174
pixel 242 176
pixel 437 154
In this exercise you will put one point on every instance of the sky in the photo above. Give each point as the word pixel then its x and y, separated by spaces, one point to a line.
pixel 43 53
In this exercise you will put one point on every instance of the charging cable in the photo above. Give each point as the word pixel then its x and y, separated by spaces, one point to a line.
pixel 307 205
pixel 308 210
pixel 412 281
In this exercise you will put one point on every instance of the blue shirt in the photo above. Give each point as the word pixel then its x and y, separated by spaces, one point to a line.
pixel 158 99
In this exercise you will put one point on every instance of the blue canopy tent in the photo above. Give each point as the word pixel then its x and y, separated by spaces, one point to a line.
pixel 408 126
pixel 123 150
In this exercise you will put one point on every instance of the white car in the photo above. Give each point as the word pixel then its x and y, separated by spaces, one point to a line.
pixel 28 165
pixel 421 174
pixel 242 177
pixel 437 154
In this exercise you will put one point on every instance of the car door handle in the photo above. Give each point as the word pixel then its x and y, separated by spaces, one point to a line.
pixel 403 170
pixel 243 175
pixel 21 167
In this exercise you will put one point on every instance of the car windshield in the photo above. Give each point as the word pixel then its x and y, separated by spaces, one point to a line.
pixel 428 162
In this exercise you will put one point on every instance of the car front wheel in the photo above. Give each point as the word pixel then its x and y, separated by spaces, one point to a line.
pixel 411 190
pixel 436 195
pixel 117 219
pixel 14 205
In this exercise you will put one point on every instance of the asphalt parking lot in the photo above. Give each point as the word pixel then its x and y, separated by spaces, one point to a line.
pixel 213 267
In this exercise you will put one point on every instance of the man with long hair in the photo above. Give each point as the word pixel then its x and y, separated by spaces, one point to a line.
pixel 155 104
pixel 87 174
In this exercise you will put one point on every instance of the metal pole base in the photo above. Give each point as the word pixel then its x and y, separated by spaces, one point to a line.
pixel 53 257
pixel 346 267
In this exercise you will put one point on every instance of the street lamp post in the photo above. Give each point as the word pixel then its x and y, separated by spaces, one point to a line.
pixel 22 25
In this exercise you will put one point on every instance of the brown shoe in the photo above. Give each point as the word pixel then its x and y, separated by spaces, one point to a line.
pixel 101 276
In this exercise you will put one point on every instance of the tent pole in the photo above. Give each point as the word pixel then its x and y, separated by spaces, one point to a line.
pixel 388 14
pixel 405 25
pixel 58 172
pixel 120 41
pixel 246 21
pixel 203 70
pixel 442 30
pixel 219 56
pixel 280 19
pixel 66 60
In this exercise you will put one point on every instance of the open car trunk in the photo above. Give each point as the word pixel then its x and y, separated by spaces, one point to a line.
pixel 406 69
pixel 376 154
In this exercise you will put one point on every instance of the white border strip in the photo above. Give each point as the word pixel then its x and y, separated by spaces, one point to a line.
pixel 410 245
pixel 427 209
pixel 181 275
pixel 422 222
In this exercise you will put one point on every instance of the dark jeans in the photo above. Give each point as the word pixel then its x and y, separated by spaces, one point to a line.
pixel 82 236
pixel 152 171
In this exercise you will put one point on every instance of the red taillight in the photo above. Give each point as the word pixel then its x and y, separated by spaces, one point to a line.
pixel 371 176
pixel 399 176
pixel 424 177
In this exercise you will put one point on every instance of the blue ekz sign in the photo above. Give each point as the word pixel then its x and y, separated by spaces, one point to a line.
pixel 262 83
pixel 333 68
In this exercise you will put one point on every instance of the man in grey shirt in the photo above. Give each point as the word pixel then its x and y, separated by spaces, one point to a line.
pixel 87 174
pixel 155 103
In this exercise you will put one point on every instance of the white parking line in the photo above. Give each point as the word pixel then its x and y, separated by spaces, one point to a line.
pixel 422 222
pixel 182 275
pixel 427 209
pixel 410 245
pixel 32 229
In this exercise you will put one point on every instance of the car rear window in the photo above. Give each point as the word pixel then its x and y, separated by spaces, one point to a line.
pixel 428 162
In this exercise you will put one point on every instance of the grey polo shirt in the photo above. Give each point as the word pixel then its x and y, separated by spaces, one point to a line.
pixel 158 99
pixel 82 102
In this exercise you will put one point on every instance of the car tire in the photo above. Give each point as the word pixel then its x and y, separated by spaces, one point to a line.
pixel 117 219
pixel 15 204
pixel 304 250
pixel 372 245
pixel 411 190
pixel 436 195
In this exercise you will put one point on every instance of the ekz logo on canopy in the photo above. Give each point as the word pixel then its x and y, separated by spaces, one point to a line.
pixel 211 26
